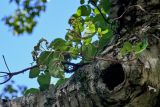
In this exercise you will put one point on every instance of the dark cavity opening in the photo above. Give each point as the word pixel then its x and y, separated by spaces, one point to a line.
pixel 113 76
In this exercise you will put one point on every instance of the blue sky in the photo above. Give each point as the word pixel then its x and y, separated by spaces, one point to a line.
pixel 17 49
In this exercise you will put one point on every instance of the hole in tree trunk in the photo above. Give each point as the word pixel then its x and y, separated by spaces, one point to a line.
pixel 113 76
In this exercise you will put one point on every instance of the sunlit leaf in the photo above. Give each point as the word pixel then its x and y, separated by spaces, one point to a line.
pixel 87 41
pixel 127 48
pixel 96 11
pixel 77 23
pixel 90 27
pixel 105 39
pixel 141 46
pixel 102 33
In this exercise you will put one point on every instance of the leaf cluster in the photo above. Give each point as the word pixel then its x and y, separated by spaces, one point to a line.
pixel 56 58
pixel 136 48
pixel 24 19
pixel 89 32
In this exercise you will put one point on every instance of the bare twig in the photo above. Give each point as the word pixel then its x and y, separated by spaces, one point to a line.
pixel 140 7
pixel 6 63
pixel 156 37
pixel 10 75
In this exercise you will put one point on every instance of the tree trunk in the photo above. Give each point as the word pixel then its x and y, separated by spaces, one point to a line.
pixel 129 82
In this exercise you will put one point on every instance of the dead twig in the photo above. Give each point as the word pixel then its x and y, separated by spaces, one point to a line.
pixel 6 63
pixel 140 7
pixel 11 74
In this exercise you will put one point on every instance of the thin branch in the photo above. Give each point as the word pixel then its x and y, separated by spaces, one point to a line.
pixel 140 7
pixel 94 4
pixel 107 59
pixel 5 81
pixel 4 74
pixel 156 37
pixel 24 70
pixel 6 63
pixel 10 75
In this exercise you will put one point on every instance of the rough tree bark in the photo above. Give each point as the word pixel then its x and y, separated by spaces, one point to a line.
pixel 131 82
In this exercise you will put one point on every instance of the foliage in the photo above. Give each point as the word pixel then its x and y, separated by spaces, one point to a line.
pixel 55 58
pixel 24 17
pixel 31 91
pixel 61 82
pixel 12 90
pixel 137 48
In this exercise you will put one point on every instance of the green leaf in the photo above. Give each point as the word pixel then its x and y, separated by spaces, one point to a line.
pixel 102 33
pixel 31 91
pixel 82 1
pixel 74 52
pixel 84 10
pixel 56 69
pixel 45 57
pixel 44 81
pixel 77 23
pixel 96 11
pixel 89 51
pixel 58 44
pixel 10 89
pixel 105 39
pixel 34 72
pixel 57 56
pixel 141 46
pixel 127 47
pixel 87 41
pixel 99 22
pixel 73 36
pixel 105 4
pixel 90 27
pixel 61 82
pixel 105 31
